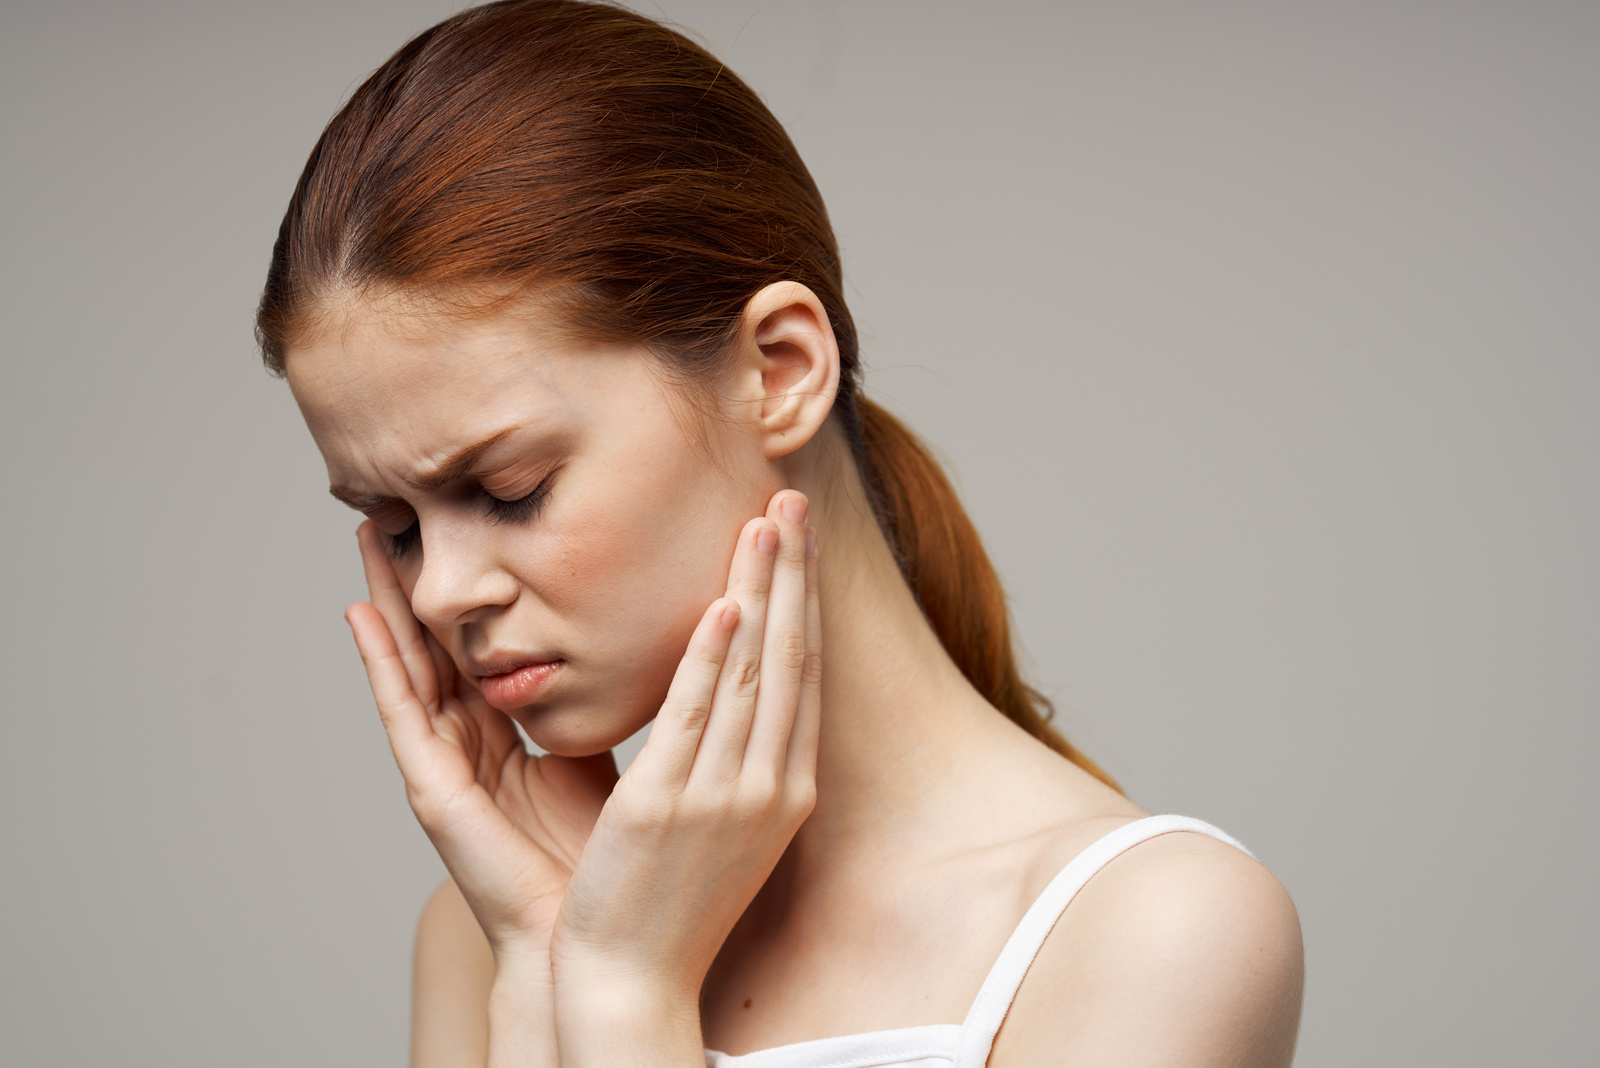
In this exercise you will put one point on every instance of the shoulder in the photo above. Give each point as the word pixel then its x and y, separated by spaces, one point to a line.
pixel 1183 950
pixel 448 934
pixel 452 972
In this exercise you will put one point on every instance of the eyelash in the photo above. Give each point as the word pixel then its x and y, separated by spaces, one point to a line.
pixel 518 511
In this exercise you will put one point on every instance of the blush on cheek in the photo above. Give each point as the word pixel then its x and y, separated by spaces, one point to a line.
pixel 629 586
pixel 636 545
pixel 618 591
pixel 629 539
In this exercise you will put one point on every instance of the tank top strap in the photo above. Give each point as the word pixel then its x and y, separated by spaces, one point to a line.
pixel 1000 986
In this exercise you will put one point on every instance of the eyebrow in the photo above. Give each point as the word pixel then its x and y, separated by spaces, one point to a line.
pixel 442 474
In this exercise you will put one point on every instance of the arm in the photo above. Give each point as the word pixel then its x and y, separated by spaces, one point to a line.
pixel 458 987
pixel 1182 952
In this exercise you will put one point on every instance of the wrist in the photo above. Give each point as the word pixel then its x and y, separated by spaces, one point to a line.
pixel 615 1016
pixel 587 969
pixel 522 960
pixel 522 1026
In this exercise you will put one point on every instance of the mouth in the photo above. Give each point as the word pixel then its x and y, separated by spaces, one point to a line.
pixel 510 687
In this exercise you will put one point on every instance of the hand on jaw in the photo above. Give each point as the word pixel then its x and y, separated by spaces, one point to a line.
pixel 605 901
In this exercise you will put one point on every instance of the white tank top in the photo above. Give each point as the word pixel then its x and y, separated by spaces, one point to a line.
pixel 967 1045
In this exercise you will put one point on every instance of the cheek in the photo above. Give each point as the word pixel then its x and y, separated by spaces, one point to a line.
pixel 631 574
pixel 638 553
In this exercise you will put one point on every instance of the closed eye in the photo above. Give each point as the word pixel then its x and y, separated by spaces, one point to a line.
pixel 501 511
pixel 405 541
pixel 523 508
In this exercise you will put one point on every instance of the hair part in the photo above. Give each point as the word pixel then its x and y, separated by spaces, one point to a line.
pixel 586 154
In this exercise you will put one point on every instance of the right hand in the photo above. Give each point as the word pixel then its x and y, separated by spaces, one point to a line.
pixel 509 825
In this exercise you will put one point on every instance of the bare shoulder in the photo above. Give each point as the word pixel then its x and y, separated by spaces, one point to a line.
pixel 452 971
pixel 1182 951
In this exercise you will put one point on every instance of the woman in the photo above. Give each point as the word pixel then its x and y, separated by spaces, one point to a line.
pixel 562 309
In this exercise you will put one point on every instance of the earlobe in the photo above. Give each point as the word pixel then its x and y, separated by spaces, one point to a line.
pixel 789 345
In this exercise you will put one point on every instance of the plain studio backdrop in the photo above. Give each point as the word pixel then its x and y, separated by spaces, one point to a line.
pixel 1262 338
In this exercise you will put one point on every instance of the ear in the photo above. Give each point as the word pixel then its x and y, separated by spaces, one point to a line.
pixel 786 367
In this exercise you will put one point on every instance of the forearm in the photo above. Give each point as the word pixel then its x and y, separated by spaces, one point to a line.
pixel 522 1030
pixel 607 1022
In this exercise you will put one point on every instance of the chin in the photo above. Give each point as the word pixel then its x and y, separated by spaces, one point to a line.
pixel 580 730
pixel 597 703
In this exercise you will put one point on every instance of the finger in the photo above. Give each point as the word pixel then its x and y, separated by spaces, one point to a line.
pixel 497 734
pixel 801 762
pixel 477 727
pixel 669 752
pixel 783 648
pixel 727 729
pixel 405 718
pixel 473 835
pixel 448 680
pixel 383 587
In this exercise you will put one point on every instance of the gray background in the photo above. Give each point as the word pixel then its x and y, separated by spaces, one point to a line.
pixel 1262 338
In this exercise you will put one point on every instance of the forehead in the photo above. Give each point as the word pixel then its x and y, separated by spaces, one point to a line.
pixel 386 384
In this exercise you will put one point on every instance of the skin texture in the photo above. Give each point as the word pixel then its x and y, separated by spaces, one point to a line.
pixel 787 861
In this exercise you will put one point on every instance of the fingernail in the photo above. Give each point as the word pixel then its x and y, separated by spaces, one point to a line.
pixel 794 509
pixel 730 616
pixel 767 540
pixel 811 542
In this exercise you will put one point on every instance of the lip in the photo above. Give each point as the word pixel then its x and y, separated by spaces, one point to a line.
pixel 509 687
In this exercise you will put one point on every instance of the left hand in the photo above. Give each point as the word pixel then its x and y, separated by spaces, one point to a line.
pixel 701 817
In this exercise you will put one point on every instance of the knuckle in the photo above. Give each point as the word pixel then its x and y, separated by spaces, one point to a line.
pixel 811 669
pixel 692 715
pixel 744 672
pixel 790 648
pixel 759 793
pixel 803 796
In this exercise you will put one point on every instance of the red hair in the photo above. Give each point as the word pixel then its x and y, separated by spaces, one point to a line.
pixel 592 154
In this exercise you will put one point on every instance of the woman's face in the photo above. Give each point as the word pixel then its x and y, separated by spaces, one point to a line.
pixel 546 502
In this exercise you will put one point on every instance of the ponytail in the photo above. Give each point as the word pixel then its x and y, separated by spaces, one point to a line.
pixel 947 569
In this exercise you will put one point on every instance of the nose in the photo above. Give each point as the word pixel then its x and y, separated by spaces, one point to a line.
pixel 461 579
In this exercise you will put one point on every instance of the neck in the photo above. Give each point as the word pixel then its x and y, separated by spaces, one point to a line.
pixel 898 716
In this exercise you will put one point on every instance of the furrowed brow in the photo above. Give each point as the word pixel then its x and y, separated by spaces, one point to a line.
pixel 459 462
pixel 445 472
